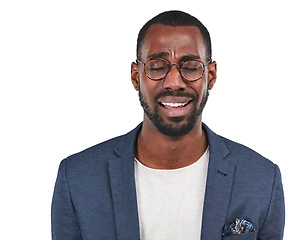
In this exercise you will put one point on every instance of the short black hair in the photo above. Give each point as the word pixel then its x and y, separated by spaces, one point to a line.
pixel 175 18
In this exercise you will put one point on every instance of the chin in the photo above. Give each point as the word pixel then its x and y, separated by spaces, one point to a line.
pixel 175 127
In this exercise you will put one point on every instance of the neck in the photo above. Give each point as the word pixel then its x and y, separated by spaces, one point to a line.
pixel 160 151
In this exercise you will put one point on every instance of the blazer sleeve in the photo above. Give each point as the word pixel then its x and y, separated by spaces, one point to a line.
pixel 64 222
pixel 273 226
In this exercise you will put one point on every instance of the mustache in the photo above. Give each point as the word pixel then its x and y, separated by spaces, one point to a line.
pixel 174 94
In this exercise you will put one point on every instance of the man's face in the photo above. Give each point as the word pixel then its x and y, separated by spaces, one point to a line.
pixel 173 105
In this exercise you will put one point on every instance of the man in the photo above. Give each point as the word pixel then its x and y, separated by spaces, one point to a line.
pixel 171 177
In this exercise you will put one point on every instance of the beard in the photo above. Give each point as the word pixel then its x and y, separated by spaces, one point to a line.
pixel 177 128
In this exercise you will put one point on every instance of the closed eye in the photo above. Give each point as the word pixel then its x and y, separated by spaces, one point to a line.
pixel 190 69
pixel 157 69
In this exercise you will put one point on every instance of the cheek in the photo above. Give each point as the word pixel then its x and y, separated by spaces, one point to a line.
pixel 204 90
pixel 201 90
pixel 147 88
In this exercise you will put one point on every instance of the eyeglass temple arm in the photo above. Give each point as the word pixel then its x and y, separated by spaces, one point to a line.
pixel 140 62
pixel 209 61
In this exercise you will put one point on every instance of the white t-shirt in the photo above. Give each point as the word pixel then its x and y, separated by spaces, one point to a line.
pixel 170 202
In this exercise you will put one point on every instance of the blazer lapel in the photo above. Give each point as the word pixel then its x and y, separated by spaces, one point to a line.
pixel 121 170
pixel 218 188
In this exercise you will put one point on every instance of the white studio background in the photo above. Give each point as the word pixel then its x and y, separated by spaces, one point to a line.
pixel 65 86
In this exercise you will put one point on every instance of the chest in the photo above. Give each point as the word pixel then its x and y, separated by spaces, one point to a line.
pixel 170 202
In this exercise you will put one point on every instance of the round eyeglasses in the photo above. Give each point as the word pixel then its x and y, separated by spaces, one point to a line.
pixel 158 68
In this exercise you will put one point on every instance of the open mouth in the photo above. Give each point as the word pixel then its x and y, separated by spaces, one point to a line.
pixel 174 104
pixel 175 108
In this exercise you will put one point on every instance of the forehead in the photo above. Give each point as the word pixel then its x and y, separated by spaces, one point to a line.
pixel 177 41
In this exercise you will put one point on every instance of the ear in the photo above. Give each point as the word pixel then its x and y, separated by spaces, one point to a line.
pixel 135 76
pixel 212 74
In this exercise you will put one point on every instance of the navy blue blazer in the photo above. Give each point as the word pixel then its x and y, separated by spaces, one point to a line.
pixel 95 194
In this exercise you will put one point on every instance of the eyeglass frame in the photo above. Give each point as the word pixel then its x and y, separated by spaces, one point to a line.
pixel 169 65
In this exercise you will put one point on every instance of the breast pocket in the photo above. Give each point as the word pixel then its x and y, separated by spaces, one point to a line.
pixel 243 236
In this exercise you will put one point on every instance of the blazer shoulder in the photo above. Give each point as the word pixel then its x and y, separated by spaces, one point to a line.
pixel 109 149
pixel 100 151
pixel 246 157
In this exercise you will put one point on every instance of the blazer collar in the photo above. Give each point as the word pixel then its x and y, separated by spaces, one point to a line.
pixel 126 145
pixel 217 195
pixel 127 142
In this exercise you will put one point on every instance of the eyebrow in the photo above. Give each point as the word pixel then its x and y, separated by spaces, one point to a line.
pixel 183 58
pixel 158 55
pixel 189 57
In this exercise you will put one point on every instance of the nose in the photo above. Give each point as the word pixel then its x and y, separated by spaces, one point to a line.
pixel 173 79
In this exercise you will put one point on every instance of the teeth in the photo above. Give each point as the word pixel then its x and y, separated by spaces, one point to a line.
pixel 175 104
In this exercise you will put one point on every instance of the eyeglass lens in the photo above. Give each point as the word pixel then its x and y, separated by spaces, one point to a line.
pixel 157 69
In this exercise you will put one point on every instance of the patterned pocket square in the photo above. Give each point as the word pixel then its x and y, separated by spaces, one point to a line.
pixel 239 226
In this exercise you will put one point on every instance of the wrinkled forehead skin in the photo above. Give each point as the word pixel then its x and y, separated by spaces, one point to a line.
pixel 177 41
